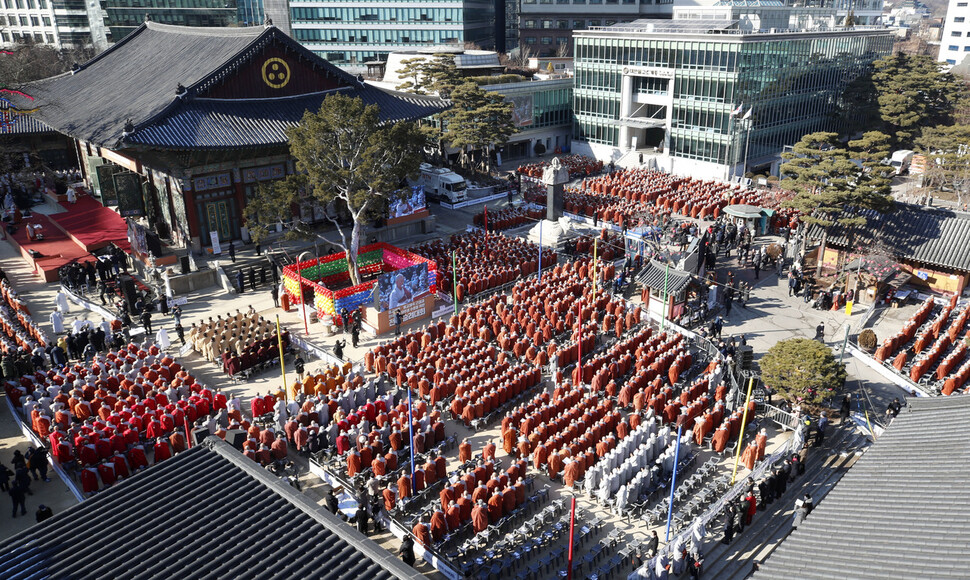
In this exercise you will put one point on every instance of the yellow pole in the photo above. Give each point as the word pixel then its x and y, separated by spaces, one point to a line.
pixel 279 339
pixel 868 424
pixel 744 420
pixel 595 240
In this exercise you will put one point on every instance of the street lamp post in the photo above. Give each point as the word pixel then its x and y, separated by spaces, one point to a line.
pixel 299 275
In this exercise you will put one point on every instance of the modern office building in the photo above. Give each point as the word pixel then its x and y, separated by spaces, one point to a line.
pixel 349 34
pixel 542 109
pixel 546 25
pixel 58 23
pixel 955 43
pixel 123 17
pixel 715 96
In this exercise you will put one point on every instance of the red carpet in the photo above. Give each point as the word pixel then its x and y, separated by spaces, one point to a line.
pixel 57 247
pixel 91 225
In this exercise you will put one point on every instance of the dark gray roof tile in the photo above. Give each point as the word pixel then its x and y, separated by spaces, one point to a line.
pixel 902 511
pixel 206 513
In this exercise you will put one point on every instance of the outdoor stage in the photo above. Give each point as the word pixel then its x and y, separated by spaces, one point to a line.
pixel 85 227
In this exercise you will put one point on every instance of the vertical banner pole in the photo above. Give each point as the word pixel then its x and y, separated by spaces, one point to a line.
pixel 673 481
pixel 572 532
pixel 744 420
pixel 454 280
pixel 279 339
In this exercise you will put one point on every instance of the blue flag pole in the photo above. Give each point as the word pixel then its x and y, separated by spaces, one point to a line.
pixel 673 483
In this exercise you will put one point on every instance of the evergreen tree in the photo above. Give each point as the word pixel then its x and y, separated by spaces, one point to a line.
pixel 826 181
pixel 947 150
pixel 802 371
pixel 347 163
pixel 914 92
pixel 478 121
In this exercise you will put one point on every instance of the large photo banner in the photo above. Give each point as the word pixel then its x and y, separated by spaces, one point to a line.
pixel 395 289
pixel 413 203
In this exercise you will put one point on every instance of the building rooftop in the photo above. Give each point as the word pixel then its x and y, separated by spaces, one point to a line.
pixel 208 512
pixel 128 95
pixel 657 275
pixel 902 511
pixel 933 236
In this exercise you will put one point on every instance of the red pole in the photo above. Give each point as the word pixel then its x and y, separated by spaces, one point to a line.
pixel 572 528
pixel 188 438
pixel 299 276
pixel 486 230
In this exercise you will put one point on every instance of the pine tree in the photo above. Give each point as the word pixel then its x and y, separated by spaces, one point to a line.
pixel 347 161
pixel 826 181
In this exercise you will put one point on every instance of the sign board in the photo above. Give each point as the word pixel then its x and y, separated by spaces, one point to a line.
pixel 180 301
pixel 648 71
pixel 128 188
pixel 522 110
pixel 848 308
pixel 216 247
pixel 917 166
pixel 395 289
pixel 922 275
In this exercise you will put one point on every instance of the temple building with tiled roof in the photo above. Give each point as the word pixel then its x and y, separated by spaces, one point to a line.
pixel 200 115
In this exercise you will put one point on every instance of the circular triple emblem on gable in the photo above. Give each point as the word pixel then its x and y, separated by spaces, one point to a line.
pixel 276 73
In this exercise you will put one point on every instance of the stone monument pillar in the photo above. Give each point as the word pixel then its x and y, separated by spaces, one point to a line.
pixel 555 177
pixel 551 232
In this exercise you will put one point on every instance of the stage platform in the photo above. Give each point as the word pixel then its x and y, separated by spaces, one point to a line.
pixel 91 225
pixel 85 227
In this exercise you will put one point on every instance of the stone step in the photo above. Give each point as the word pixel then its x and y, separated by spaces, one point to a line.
pixel 771 526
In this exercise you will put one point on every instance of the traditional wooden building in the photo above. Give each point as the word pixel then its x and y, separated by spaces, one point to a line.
pixel 931 244
pixel 180 124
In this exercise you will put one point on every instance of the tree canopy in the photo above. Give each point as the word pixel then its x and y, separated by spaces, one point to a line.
pixel 947 150
pixel 477 121
pixel 802 370
pixel 347 163
pixel 913 92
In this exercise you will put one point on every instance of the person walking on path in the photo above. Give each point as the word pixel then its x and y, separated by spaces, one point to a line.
pixel 274 291
pixel 845 410
pixel 43 513
pixel 398 320
pixel 232 252
pixel 355 335
pixel 146 321
pixel 252 279
pixel 823 422
pixel 18 497
pixel 240 281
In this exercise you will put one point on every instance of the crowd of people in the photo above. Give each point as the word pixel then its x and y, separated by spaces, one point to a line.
pixel 482 260
pixel 118 412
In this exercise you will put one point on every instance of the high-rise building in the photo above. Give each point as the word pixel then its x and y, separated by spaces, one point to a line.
pixel 955 43
pixel 124 16
pixel 348 34
pixel 546 25
pixel 718 95
pixel 58 23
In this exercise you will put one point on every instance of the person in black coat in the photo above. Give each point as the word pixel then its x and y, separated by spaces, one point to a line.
pixel 43 513
pixel 332 504
pixel 146 321
pixel 845 410
pixel 252 279
pixel 274 291
pixel 240 281
pixel 407 551
pixel 728 525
